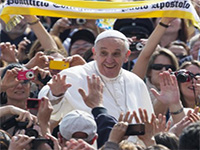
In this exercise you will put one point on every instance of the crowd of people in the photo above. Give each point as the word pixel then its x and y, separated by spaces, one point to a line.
pixel 69 84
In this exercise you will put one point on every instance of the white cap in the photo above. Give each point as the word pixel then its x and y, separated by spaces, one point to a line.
pixel 78 121
pixel 111 33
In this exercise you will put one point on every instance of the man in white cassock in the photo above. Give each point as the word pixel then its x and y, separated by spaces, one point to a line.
pixel 123 90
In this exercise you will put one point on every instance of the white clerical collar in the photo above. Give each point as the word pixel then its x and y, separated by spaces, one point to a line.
pixel 106 78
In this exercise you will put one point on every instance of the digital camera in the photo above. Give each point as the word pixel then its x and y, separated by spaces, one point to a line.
pixel 136 46
pixel 12 122
pixel 78 21
pixel 26 75
pixel 184 75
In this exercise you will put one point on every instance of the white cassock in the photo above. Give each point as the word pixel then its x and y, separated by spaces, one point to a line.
pixel 126 92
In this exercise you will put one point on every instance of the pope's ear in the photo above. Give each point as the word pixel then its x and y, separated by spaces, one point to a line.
pixel 128 53
pixel 93 51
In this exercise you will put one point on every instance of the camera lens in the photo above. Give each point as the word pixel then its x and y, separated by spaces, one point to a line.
pixel 139 46
pixel 182 77
pixel 30 75
pixel 31 132
pixel 136 46
pixel 80 21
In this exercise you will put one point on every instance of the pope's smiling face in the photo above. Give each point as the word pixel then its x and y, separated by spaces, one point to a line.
pixel 110 54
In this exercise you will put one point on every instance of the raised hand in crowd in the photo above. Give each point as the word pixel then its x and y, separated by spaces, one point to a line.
pixel 128 117
pixel 141 64
pixel 58 85
pixel 75 60
pixel 60 26
pixel 43 115
pixel 39 60
pixel 10 79
pixel 20 141
pixel 170 95
pixel 55 141
pixel 40 75
pixel 184 122
pixel 117 133
pixel 8 52
pixel 95 92
pixel 22 53
pixel 23 115
pixel 152 126
pixel 41 33
pixel 79 144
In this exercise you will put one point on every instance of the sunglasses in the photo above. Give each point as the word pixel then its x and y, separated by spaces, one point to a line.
pixel 160 67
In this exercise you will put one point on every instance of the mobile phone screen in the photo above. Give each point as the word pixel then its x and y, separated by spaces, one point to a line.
pixel 135 129
pixel 33 103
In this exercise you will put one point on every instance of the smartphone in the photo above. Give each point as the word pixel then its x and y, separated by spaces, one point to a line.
pixel 26 75
pixel 135 129
pixel 58 65
pixel 36 142
pixel 33 103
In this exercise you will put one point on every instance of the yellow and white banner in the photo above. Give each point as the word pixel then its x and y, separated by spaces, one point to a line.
pixel 100 10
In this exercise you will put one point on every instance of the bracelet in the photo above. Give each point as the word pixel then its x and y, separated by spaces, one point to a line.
pixel 35 22
pixel 163 25
pixel 177 112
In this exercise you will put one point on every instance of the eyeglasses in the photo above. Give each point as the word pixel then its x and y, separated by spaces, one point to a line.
pixel 160 67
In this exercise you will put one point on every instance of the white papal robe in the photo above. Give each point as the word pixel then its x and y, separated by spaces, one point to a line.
pixel 126 92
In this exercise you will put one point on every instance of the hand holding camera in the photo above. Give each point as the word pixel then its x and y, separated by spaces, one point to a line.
pixel 26 75
pixel 10 79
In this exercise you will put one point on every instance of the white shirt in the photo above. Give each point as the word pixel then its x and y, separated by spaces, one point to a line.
pixel 126 92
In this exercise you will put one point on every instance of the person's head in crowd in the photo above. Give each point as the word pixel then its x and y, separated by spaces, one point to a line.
pixel 16 95
pixel 81 41
pixel 128 145
pixel 176 31
pixel 187 90
pixel 161 60
pixel 78 124
pixel 194 45
pixel 179 48
pixel 157 147
pixel 110 51
pixel 189 138
pixel 141 28
pixel 4 140
pixel 167 139
pixel 36 46
pixel 57 54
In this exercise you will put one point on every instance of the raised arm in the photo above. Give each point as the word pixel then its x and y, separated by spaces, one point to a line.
pixel 43 36
pixel 141 65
